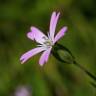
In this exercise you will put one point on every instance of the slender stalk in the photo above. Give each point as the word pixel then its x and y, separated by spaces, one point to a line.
pixel 93 84
pixel 86 71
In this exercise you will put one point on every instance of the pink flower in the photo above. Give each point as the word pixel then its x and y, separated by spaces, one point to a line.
pixel 45 42
pixel 22 91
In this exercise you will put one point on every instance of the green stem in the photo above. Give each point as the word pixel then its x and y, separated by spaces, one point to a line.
pixel 86 71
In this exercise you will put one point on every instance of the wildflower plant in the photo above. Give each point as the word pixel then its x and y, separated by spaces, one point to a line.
pixel 48 44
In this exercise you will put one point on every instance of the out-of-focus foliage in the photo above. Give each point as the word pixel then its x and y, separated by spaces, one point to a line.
pixel 55 78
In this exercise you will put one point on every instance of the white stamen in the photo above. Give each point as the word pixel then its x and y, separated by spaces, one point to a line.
pixel 47 42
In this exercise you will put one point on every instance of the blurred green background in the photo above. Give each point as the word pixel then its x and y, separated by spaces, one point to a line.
pixel 54 78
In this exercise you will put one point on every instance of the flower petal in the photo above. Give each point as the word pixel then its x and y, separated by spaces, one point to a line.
pixel 31 53
pixel 60 34
pixel 53 23
pixel 30 35
pixel 53 16
pixel 44 56
pixel 37 35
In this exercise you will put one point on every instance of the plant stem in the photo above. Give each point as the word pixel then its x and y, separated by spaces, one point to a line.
pixel 87 72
